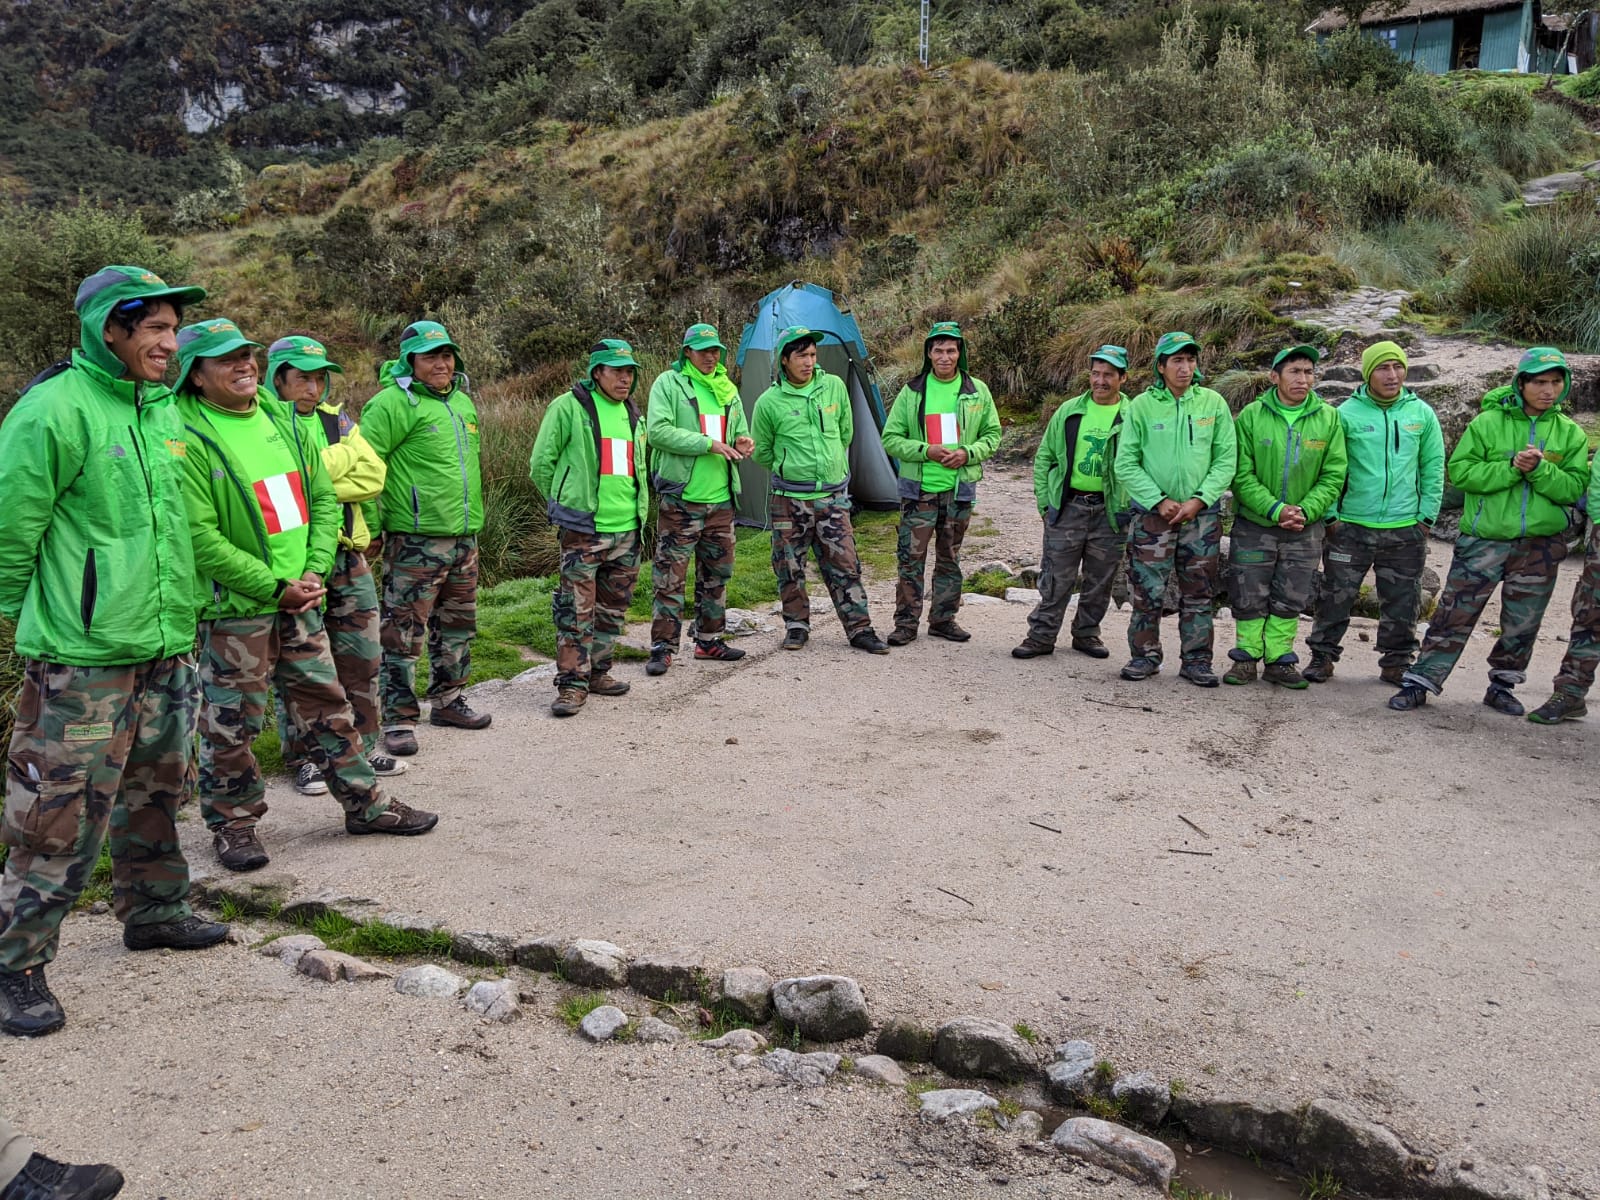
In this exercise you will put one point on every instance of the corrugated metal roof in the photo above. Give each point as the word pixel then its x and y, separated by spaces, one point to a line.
pixel 1412 10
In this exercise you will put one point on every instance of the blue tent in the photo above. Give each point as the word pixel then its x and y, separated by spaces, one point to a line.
pixel 841 351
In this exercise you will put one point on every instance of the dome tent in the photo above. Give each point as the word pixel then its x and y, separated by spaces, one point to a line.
pixel 841 351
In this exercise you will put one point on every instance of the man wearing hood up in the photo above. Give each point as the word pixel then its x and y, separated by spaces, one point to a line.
pixel 587 462
pixel 698 433
pixel 1521 464
pixel 943 424
pixel 424 426
pixel 97 571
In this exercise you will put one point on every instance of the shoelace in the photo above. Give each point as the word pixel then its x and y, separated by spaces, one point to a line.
pixel 24 988
pixel 44 1170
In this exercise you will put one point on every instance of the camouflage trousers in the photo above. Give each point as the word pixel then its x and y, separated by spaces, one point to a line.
pixel 1525 569
pixel 598 571
pixel 940 518
pixel 1396 558
pixel 241 660
pixel 95 751
pixel 1081 539
pixel 703 532
pixel 1155 552
pixel 821 527
pixel 430 589
pixel 1576 675
pixel 1271 571
pixel 351 619
pixel 15 1150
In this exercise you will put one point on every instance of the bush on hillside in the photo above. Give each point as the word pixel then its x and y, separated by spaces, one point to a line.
pixel 1585 86
pixel 1538 279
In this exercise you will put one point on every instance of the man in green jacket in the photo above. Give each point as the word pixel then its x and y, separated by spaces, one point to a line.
pixel 1521 464
pixel 587 461
pixel 1176 457
pixel 802 427
pixel 97 572
pixel 1576 675
pixel 697 432
pixel 943 424
pixel 264 522
pixel 1390 500
pixel 300 374
pixel 424 427
pixel 1291 468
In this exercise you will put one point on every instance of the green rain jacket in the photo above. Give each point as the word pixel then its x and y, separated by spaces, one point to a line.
pixel 233 563
pixel 1502 502
pixel 1396 461
pixel 673 426
pixel 565 465
pixel 977 432
pixel 430 445
pixel 1052 463
pixel 1283 462
pixel 803 436
pixel 95 562
pixel 1177 449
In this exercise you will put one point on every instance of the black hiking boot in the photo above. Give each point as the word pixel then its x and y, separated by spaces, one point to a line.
pixel 28 1008
pixel 1559 708
pixel 716 650
pixel 46 1179
pixel 1285 675
pixel 1033 650
pixel 1320 669
pixel 1199 673
pixel 660 660
pixel 191 933
pixel 1410 696
pixel 1092 646
pixel 1502 700
pixel 949 631
pixel 796 638
pixel 1140 668
pixel 870 642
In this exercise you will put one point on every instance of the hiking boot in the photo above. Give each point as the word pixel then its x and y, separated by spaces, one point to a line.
pixel 308 780
pixel 1394 675
pixel 949 631
pixel 1410 695
pixel 1502 700
pixel 400 741
pixel 1557 709
pixel 240 849
pixel 1241 672
pixel 796 638
pixel 191 933
pixel 717 650
pixel 901 636
pixel 459 715
pixel 28 1008
pixel 384 765
pixel 399 819
pixel 1199 673
pixel 870 642
pixel 607 684
pixel 1321 670
pixel 1285 675
pixel 44 1178
pixel 1033 650
pixel 660 660
pixel 1140 668
pixel 1092 646
pixel 568 701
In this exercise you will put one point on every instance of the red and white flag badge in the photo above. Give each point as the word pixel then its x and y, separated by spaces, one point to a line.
pixel 942 429
pixel 714 426
pixel 283 502
pixel 616 456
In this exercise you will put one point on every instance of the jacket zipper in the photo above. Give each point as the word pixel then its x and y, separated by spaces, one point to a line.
pixel 1533 430
pixel 416 511
pixel 150 493
pixel 560 487
pixel 1391 433
pixel 459 426
pixel 91 587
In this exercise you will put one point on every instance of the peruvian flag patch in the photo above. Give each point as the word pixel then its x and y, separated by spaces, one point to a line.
pixel 283 502
pixel 616 456
pixel 714 426
pixel 942 429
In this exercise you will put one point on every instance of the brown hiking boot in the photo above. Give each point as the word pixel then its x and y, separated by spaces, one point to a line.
pixel 1241 672
pixel 400 742
pixel 1284 675
pixel 1092 646
pixel 1320 670
pixel 902 635
pixel 400 819
pixel 1031 650
pixel 608 685
pixel 240 849
pixel 949 631
pixel 568 701
pixel 458 714
pixel 1394 675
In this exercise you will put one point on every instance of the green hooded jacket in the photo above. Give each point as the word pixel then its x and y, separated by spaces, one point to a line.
pixel 673 425
pixel 1283 462
pixel 1396 461
pixel 430 446
pixel 95 563
pixel 1052 463
pixel 977 432
pixel 1176 449
pixel 565 464
pixel 1502 502
pixel 803 436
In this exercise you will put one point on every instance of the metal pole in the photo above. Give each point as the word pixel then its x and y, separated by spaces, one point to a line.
pixel 922 35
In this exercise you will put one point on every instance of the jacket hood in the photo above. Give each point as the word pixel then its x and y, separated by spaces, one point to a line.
pixel 396 373
pixel 1537 361
pixel 105 290
pixel 1509 397
pixel 1269 399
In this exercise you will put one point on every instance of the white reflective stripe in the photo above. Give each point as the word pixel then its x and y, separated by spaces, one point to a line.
pixel 714 426
pixel 616 456
pixel 942 429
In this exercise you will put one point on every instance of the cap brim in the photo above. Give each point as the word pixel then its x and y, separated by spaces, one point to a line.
pixel 704 344
pixel 309 363
pixel 1309 351
pixel 181 295
pixel 1109 361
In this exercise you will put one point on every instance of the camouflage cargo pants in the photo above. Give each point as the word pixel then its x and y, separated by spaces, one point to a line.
pixel 241 660
pixel 940 518
pixel 1576 675
pixel 430 589
pixel 1396 558
pixel 1081 540
pixel 95 751
pixel 703 532
pixel 821 527
pixel 598 571
pixel 15 1150
pixel 1155 553
pixel 1271 571
pixel 351 619
pixel 1525 569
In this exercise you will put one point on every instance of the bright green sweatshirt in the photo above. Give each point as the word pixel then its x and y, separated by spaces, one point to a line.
pixel 677 444
pixel 1396 461
pixel 1058 449
pixel 1176 449
pixel 565 464
pixel 905 433
pixel 803 436
pixel 1502 502
pixel 1288 456
pixel 430 445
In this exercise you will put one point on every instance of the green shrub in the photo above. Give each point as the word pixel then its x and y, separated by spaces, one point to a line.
pixel 1538 278
pixel 1381 186
pixel 1258 180
pixel 1585 86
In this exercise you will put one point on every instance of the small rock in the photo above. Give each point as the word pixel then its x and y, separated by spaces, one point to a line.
pixel 1465 1177
pixel 590 963
pixel 680 974
pixel 99 908
pixel 945 1103
pixel 1116 1148
pixel 305 909
pixel 976 1046
pixel 1367 1157
pixel 979 598
pixel 293 948
pixel 1071 1078
pixel 254 893
pixel 748 991
pixel 1026 1126
pixel 880 1068
pixel 539 954
pixel 494 999
pixel 603 1024
pixel 807 1070
pixel 538 674
pixel 731 741
pixel 1145 1099
pixel 740 622
pixel 1339 374
pixel 429 982
pixel 906 1041
pixel 481 949
pixel 1018 595
pixel 746 1040
pixel 654 1029
pixel 824 1008
pixel 743 1062
pixel 330 966
pixel 995 566
pixel 413 922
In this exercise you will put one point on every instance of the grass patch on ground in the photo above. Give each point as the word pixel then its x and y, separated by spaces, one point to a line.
pixel 376 939
pixel 574 1009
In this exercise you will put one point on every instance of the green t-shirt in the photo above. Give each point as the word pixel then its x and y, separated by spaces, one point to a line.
pixel 708 480
pixel 940 428
pixel 617 510
pixel 1094 432
pixel 267 466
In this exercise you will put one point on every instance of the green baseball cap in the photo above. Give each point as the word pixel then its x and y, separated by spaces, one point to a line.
pixel 702 337
pixel 1171 343
pixel 1116 356
pixel 793 333
pixel 1310 352
pixel 302 353
pixel 113 286
pixel 424 337
pixel 610 352
pixel 208 339
pixel 1540 359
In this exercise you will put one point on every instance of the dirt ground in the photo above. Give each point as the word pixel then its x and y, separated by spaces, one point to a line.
pixel 1398 910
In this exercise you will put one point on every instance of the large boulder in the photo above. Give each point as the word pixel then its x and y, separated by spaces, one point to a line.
pixel 1117 1148
pixel 978 1047
pixel 824 1008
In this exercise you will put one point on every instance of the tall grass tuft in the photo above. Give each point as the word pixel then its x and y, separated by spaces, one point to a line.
pixel 10 678
pixel 1538 279
pixel 516 539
